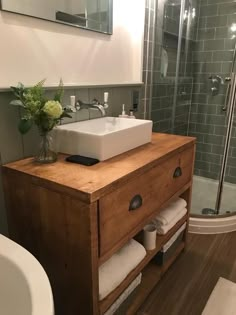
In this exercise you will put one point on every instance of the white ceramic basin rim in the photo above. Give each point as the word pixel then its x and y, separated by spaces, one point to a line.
pixel 102 138
pixel 103 126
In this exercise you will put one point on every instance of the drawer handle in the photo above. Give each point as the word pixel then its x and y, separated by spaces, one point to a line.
pixel 135 203
pixel 177 172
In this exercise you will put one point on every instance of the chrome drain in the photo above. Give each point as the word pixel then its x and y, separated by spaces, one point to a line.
pixel 209 211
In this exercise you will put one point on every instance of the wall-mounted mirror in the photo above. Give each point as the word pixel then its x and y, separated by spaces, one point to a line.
pixel 95 15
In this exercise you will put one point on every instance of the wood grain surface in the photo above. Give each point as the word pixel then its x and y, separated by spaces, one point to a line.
pixel 66 214
pixel 61 232
pixel 90 183
pixel 156 187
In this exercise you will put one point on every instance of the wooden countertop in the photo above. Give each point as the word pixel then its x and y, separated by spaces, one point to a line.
pixel 89 183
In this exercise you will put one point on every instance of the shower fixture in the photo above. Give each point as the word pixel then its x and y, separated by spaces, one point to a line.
pixel 209 211
pixel 216 82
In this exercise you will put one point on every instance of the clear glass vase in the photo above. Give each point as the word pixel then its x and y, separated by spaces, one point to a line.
pixel 46 153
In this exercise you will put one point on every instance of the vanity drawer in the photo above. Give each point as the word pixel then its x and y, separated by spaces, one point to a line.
pixel 121 211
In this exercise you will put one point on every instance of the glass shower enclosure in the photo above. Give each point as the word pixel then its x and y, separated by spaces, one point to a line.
pixel 194 92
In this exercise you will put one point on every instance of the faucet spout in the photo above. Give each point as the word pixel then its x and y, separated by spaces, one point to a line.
pixel 95 105
pixel 100 108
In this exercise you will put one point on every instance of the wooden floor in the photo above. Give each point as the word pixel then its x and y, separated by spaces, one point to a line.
pixel 186 287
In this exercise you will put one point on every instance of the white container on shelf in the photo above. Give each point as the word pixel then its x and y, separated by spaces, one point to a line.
pixel 149 236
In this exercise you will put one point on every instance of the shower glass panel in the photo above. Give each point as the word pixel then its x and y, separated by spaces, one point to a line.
pixel 172 73
pixel 194 46
pixel 212 60
pixel 184 78
pixel 165 62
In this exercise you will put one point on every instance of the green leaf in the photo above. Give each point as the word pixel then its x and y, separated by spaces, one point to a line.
pixel 14 88
pixel 40 83
pixel 25 125
pixel 17 103
pixel 59 94
pixel 20 86
pixel 18 90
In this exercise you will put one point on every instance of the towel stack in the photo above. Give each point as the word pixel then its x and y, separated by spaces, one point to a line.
pixel 117 268
pixel 171 241
pixel 124 295
pixel 169 216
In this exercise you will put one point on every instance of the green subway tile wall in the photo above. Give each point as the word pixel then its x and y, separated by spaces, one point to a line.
pixel 212 54
pixel 163 88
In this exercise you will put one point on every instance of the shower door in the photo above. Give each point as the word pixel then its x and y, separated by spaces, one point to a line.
pixel 226 202
pixel 212 64
pixel 227 187
pixel 194 54
pixel 165 63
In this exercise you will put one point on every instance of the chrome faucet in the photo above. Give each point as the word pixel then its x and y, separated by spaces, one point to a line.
pixel 95 105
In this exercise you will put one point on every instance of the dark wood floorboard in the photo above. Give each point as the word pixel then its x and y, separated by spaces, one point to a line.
pixel 187 285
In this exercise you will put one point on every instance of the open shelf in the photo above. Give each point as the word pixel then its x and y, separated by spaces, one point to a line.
pixel 161 240
pixel 151 274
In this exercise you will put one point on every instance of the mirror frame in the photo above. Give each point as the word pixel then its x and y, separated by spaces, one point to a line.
pixel 110 21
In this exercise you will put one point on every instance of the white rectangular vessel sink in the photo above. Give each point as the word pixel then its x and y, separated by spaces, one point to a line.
pixel 102 138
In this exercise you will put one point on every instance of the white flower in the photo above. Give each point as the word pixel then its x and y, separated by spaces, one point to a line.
pixel 53 109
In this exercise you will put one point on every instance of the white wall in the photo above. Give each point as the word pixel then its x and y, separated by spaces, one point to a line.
pixel 33 49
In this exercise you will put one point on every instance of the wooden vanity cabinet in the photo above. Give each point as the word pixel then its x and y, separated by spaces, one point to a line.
pixel 72 218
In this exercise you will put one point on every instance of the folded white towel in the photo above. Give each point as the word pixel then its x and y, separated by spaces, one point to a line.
pixel 116 269
pixel 163 229
pixel 173 238
pixel 124 295
pixel 172 210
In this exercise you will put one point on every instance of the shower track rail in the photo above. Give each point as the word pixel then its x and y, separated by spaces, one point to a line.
pixel 232 102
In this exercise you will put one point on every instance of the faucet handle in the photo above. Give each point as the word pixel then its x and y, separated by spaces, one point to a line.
pixel 106 97
pixel 77 105
pixel 95 101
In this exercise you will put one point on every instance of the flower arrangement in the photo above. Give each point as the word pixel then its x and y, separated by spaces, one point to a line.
pixel 44 113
